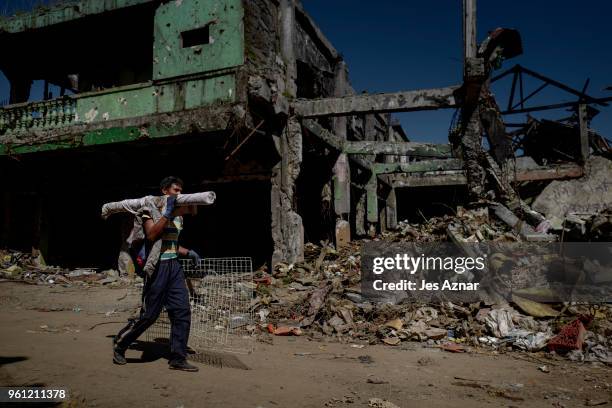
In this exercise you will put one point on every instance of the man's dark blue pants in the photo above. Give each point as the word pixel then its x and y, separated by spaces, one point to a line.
pixel 166 287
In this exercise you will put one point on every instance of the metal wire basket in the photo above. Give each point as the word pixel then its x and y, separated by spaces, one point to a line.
pixel 221 297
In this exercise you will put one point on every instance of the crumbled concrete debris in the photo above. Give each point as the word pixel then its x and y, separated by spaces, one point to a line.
pixel 31 268
pixel 380 403
pixel 587 195
pixel 321 296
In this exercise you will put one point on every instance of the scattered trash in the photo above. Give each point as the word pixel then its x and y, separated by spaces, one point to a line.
pixel 571 336
pixel 595 403
pixel 284 330
pixel 436 333
pixel 499 321
pixel 31 268
pixel 263 313
pixel 453 347
pixel 328 301
pixel 376 380
pixel 531 341
pixel 534 309
pixel 380 403
pixel 544 369
pixel 395 324
pixel 321 296
pixel 392 341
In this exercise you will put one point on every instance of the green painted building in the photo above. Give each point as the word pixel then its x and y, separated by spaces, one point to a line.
pixel 109 96
pixel 120 65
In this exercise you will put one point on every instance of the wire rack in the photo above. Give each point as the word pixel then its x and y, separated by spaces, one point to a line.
pixel 221 292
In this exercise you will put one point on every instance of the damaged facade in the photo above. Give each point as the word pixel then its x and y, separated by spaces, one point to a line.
pixel 249 99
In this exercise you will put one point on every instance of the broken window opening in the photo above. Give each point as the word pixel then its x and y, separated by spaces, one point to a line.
pixel 44 90
pixel 417 204
pixel 199 36
pixel 19 7
pixel 37 90
pixel 427 126
pixel 123 56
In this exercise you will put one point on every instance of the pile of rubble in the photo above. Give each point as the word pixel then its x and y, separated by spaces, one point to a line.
pixel 466 226
pixel 31 268
pixel 579 209
pixel 322 297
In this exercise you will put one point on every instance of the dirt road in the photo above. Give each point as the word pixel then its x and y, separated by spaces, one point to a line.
pixel 47 338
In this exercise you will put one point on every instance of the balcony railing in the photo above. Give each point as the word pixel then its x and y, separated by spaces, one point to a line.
pixel 55 113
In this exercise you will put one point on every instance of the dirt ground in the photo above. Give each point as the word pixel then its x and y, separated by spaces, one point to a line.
pixel 47 338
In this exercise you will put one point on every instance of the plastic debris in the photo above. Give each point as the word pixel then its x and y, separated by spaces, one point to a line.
pixel 395 324
pixel 328 302
pixel 499 321
pixel 571 336
pixel 284 330
pixel 453 347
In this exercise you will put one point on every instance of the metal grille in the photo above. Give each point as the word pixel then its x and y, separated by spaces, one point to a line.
pixel 221 297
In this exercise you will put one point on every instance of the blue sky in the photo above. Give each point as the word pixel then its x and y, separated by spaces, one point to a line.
pixel 393 45
pixel 403 45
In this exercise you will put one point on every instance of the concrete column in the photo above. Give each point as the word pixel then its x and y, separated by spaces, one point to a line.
pixel 293 230
pixel 372 213
pixel 341 88
pixel 342 170
pixel 382 218
pixel 287 228
pixel 342 186
pixel 585 148
pixel 360 215
pixel 470 47
pixel 391 210
pixel 372 204
pixel 287 25
pixel 389 138
pixel 278 242
pixel 471 146
pixel 369 127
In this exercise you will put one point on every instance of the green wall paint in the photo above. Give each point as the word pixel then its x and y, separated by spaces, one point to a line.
pixel 225 49
pixel 45 17
pixel 210 67
pixel 116 105
pixel 176 96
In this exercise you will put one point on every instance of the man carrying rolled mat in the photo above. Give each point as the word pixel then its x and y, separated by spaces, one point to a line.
pixel 166 286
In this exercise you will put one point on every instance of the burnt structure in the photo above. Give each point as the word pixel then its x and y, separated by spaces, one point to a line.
pixel 244 97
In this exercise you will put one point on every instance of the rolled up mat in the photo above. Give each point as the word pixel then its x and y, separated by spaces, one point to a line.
pixel 133 206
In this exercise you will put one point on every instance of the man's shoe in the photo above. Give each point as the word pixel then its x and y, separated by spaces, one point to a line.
pixel 183 365
pixel 119 356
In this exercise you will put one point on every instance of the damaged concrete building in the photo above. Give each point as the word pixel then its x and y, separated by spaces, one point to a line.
pixel 244 97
